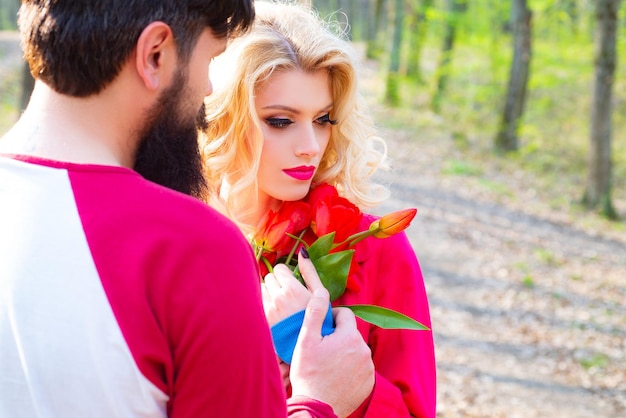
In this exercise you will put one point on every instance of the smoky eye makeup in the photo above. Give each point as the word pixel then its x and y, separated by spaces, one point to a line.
pixel 278 122
pixel 326 119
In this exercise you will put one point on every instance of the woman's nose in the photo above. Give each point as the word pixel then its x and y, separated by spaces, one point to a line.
pixel 308 142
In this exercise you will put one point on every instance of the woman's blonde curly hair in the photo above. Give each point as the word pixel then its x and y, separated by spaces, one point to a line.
pixel 284 37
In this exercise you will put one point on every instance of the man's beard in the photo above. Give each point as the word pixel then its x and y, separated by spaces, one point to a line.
pixel 168 153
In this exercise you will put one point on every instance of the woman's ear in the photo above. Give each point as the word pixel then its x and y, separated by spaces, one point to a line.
pixel 156 55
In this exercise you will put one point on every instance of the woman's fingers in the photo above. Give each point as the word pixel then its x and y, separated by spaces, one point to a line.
pixel 283 295
pixel 272 284
pixel 283 275
pixel 309 274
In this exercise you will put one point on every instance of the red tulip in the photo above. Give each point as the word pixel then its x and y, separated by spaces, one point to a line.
pixel 332 213
pixel 392 223
pixel 272 233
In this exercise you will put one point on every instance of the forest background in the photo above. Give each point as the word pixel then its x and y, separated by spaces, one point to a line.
pixel 527 278
pixel 535 81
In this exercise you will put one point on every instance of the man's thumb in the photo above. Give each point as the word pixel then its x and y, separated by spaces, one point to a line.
pixel 316 311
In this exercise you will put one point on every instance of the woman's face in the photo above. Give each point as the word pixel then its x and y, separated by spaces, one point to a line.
pixel 294 110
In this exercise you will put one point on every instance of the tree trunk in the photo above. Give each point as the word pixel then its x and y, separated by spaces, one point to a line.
pixel 507 137
pixel 598 189
pixel 358 19
pixel 349 8
pixel 392 96
pixel 374 34
pixel 417 29
pixel 366 20
pixel 455 8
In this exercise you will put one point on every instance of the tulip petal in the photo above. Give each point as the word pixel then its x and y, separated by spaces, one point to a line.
pixel 394 222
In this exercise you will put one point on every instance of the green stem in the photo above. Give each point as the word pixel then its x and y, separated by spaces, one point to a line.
pixel 270 268
pixel 355 238
pixel 295 246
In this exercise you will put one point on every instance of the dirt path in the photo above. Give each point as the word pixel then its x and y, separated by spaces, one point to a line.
pixel 529 312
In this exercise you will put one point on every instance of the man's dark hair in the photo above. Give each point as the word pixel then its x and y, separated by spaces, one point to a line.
pixel 78 47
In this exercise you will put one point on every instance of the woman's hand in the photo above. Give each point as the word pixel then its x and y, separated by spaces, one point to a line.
pixel 283 295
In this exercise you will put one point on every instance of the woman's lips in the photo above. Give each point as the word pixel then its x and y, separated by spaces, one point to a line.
pixel 300 173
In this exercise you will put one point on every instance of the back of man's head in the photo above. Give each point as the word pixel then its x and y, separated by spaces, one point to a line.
pixel 77 47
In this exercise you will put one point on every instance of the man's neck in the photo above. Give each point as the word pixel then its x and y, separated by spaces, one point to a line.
pixel 78 130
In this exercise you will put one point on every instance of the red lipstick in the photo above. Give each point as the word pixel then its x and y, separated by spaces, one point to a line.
pixel 300 173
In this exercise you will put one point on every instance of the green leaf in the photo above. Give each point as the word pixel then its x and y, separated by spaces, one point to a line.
pixel 385 318
pixel 333 270
pixel 321 246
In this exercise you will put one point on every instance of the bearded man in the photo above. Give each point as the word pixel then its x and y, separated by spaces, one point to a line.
pixel 121 297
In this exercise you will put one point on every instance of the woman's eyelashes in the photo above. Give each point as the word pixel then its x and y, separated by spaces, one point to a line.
pixel 279 122
pixel 323 120
pixel 284 122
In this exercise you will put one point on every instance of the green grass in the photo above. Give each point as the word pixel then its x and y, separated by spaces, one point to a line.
pixel 528 281
pixel 496 187
pixel 595 361
pixel 458 167
pixel 547 257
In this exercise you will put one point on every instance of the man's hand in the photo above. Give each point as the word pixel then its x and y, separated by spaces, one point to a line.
pixel 336 369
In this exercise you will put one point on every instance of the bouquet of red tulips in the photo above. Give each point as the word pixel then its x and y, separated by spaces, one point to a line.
pixel 324 223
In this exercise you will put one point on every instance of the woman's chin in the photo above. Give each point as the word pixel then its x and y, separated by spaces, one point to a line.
pixel 297 192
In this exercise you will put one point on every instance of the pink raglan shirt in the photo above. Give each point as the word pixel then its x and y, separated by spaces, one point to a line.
pixel 120 298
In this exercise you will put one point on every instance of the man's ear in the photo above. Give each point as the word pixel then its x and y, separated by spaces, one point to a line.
pixel 156 55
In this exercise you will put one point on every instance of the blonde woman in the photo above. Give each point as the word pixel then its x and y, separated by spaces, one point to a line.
pixel 285 117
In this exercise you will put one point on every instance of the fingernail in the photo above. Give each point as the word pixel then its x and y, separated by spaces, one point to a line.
pixel 304 252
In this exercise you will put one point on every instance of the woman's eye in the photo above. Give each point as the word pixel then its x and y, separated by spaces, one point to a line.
pixel 323 120
pixel 278 122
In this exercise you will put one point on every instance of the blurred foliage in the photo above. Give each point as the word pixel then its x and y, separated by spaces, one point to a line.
pixel 8 14
pixel 554 134
pixel 10 81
